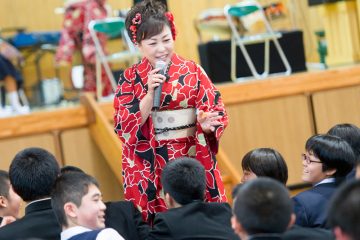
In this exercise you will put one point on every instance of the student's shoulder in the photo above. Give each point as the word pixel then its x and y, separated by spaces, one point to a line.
pixel 14 229
pixel 109 233
pixel 304 233
pixel 120 205
pixel 316 192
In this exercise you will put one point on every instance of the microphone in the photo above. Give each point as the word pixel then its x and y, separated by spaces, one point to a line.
pixel 162 65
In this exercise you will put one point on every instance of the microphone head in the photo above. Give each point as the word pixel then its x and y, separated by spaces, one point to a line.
pixel 160 64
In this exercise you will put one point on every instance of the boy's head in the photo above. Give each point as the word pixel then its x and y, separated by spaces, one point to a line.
pixel 32 173
pixel 262 206
pixel 264 162
pixel 344 211
pixel 9 201
pixel 326 156
pixel 183 179
pixel 77 201
pixel 351 134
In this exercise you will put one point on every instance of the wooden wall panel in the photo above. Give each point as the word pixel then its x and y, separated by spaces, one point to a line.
pixel 10 146
pixel 80 150
pixel 336 106
pixel 281 123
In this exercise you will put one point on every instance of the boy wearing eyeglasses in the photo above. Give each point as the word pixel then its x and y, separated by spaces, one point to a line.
pixel 326 162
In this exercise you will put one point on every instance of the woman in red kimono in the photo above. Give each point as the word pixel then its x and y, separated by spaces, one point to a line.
pixel 189 122
pixel 75 35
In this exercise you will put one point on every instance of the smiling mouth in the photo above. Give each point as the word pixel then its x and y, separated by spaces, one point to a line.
pixel 163 57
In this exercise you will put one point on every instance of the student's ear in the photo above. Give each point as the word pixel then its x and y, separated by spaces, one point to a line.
pixel 340 235
pixel 357 176
pixel 3 202
pixel 330 172
pixel 236 225
pixel 70 209
pixel 170 202
pixel 292 220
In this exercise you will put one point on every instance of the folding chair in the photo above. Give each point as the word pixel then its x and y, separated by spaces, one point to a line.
pixel 111 27
pixel 240 11
pixel 213 22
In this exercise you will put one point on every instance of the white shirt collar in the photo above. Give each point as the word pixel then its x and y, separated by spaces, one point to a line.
pixel 70 232
pixel 39 200
pixel 326 180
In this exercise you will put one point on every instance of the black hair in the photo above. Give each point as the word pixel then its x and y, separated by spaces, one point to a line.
pixel 153 19
pixel 333 152
pixel 4 183
pixel 70 187
pixel 33 172
pixel 351 134
pixel 70 168
pixel 184 180
pixel 266 162
pixel 344 209
pixel 263 205
pixel 235 190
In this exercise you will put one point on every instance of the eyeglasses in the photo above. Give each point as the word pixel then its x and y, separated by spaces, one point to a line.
pixel 307 159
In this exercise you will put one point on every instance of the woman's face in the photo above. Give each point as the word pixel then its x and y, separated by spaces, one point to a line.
pixel 247 176
pixel 312 169
pixel 158 47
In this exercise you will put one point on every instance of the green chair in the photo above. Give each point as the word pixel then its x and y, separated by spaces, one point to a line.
pixel 237 13
pixel 111 27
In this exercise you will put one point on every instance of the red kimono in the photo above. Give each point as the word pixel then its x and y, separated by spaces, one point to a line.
pixel 75 35
pixel 143 156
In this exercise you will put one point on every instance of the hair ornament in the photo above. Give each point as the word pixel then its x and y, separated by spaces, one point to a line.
pixel 170 18
pixel 135 21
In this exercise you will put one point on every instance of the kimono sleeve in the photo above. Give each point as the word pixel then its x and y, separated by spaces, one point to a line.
pixel 127 116
pixel 209 100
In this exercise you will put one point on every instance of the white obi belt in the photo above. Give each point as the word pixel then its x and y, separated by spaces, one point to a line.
pixel 174 124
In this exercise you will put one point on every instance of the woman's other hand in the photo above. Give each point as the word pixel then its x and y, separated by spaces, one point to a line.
pixel 209 120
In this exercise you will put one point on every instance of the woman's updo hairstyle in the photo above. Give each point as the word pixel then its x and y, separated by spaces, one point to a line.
pixel 147 19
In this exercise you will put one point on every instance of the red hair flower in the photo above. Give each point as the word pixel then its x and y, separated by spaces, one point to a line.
pixel 135 21
pixel 170 18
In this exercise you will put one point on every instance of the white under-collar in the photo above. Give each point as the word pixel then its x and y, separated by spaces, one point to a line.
pixel 39 200
pixel 326 180
pixel 70 232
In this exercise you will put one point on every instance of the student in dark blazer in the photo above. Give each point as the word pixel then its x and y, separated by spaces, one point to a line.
pixel 122 216
pixel 125 218
pixel 297 232
pixel 262 210
pixel 344 211
pixel 32 174
pixel 327 161
pixel 188 217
